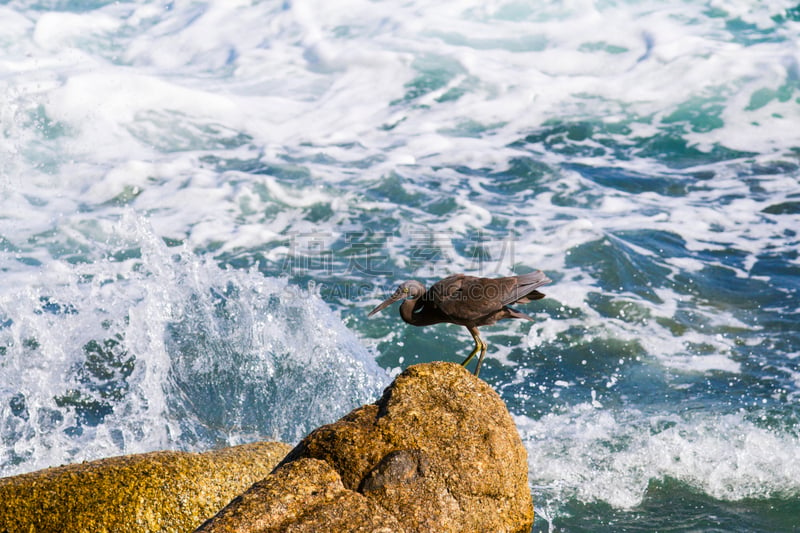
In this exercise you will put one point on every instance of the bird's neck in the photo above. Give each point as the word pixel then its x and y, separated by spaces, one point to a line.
pixel 419 313
pixel 407 311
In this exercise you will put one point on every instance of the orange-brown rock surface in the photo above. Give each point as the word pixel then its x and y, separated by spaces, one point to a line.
pixel 438 452
pixel 161 492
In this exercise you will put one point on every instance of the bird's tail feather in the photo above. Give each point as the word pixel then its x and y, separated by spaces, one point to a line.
pixel 513 313
pixel 531 296
pixel 525 290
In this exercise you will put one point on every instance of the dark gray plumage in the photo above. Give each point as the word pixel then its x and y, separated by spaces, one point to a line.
pixel 467 301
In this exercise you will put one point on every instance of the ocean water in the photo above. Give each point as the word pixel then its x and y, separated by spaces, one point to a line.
pixel 200 201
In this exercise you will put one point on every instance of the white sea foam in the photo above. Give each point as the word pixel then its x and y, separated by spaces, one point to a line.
pixel 117 92
pixel 145 340
pixel 598 455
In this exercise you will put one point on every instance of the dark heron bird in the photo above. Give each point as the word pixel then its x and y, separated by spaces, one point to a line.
pixel 467 301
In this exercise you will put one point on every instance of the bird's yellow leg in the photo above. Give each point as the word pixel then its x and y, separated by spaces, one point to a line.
pixel 479 345
pixel 471 355
pixel 480 359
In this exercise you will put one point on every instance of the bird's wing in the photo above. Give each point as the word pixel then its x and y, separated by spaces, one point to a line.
pixel 468 298
pixel 449 296
pixel 446 291
pixel 522 288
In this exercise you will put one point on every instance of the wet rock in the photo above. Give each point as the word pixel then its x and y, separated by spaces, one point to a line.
pixel 438 452
pixel 161 491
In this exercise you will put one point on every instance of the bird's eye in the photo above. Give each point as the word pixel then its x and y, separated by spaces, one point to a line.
pixel 405 290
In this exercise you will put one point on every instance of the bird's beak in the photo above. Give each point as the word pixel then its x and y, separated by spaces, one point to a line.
pixel 386 304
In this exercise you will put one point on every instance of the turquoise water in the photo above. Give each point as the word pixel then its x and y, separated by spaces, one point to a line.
pixel 201 201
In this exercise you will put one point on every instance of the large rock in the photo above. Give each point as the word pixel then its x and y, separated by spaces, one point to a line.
pixel 158 492
pixel 438 452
